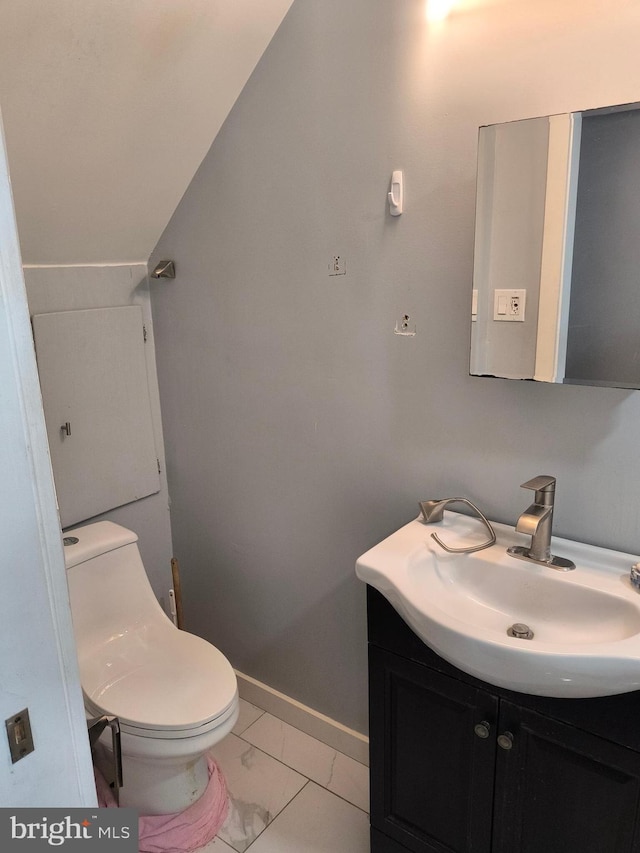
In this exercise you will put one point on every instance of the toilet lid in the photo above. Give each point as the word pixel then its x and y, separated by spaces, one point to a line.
pixel 159 680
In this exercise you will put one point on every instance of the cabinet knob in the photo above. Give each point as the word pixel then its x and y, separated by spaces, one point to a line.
pixel 482 729
pixel 505 740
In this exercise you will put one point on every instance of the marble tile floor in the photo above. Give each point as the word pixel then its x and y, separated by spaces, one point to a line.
pixel 289 793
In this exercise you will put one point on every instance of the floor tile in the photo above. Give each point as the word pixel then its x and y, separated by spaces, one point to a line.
pixel 259 788
pixel 248 715
pixel 316 760
pixel 316 821
pixel 215 846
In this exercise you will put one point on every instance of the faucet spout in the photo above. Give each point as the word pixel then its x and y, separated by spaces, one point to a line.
pixel 536 522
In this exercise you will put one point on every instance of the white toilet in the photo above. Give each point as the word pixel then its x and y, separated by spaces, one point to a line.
pixel 175 694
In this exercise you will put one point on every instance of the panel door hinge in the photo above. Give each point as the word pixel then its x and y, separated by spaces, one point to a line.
pixel 159 468
pixel 144 333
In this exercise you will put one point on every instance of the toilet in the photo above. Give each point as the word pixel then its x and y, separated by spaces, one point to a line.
pixel 174 694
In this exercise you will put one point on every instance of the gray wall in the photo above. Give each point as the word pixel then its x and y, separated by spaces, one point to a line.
pixel 299 428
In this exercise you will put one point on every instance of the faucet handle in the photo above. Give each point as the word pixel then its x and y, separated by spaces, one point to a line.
pixel 545 489
pixel 541 483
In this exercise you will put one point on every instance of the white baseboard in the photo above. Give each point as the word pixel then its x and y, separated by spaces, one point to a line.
pixel 302 717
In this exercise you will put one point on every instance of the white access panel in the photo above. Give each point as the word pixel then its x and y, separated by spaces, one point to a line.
pixel 93 377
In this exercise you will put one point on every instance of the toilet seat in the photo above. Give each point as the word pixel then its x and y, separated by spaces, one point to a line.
pixel 160 682
pixel 133 728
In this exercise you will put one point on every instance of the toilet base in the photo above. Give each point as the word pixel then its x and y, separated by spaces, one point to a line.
pixel 162 776
pixel 157 786
pixel 160 787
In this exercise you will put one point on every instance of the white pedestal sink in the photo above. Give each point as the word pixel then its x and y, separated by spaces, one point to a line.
pixel 585 623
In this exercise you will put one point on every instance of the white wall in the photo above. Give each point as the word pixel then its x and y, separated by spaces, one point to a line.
pixel 109 108
pixel 78 287
pixel 300 430
pixel 37 653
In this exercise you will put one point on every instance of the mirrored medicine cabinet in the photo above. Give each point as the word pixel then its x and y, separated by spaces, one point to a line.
pixel 556 281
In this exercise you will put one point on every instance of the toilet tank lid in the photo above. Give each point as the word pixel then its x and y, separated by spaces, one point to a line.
pixel 95 539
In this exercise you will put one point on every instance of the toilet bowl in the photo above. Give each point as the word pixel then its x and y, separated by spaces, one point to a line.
pixel 174 693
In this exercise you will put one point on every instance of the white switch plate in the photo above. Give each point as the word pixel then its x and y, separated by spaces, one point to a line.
pixel 509 305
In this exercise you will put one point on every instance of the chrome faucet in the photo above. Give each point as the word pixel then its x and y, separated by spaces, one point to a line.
pixel 536 521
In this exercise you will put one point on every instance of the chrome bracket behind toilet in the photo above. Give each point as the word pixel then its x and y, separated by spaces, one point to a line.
pixel 96 726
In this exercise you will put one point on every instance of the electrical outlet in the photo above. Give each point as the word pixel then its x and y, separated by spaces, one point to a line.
pixel 337 265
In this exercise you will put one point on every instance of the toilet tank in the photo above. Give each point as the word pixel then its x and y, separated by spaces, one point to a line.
pixel 111 597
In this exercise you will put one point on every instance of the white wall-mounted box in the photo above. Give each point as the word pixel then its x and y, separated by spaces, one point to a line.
pixel 95 393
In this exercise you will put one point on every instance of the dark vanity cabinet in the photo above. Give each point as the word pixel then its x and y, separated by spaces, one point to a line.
pixel 460 766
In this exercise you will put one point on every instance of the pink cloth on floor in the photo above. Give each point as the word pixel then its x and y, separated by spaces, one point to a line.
pixel 187 830
pixel 192 828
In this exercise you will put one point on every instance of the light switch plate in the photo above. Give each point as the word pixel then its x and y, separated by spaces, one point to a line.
pixel 509 305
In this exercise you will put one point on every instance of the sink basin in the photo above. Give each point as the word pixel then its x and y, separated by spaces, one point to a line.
pixel 585 623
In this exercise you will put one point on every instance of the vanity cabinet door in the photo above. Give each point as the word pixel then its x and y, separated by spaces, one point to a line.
pixel 560 790
pixel 432 758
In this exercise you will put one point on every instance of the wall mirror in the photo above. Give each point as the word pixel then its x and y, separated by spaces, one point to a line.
pixel 556 281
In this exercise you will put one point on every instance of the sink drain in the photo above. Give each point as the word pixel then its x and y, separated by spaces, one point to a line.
pixel 520 631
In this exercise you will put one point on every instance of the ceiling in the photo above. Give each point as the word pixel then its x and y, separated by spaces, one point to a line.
pixel 109 107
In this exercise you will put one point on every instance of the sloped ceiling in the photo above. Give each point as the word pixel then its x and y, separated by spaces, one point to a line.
pixel 109 107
